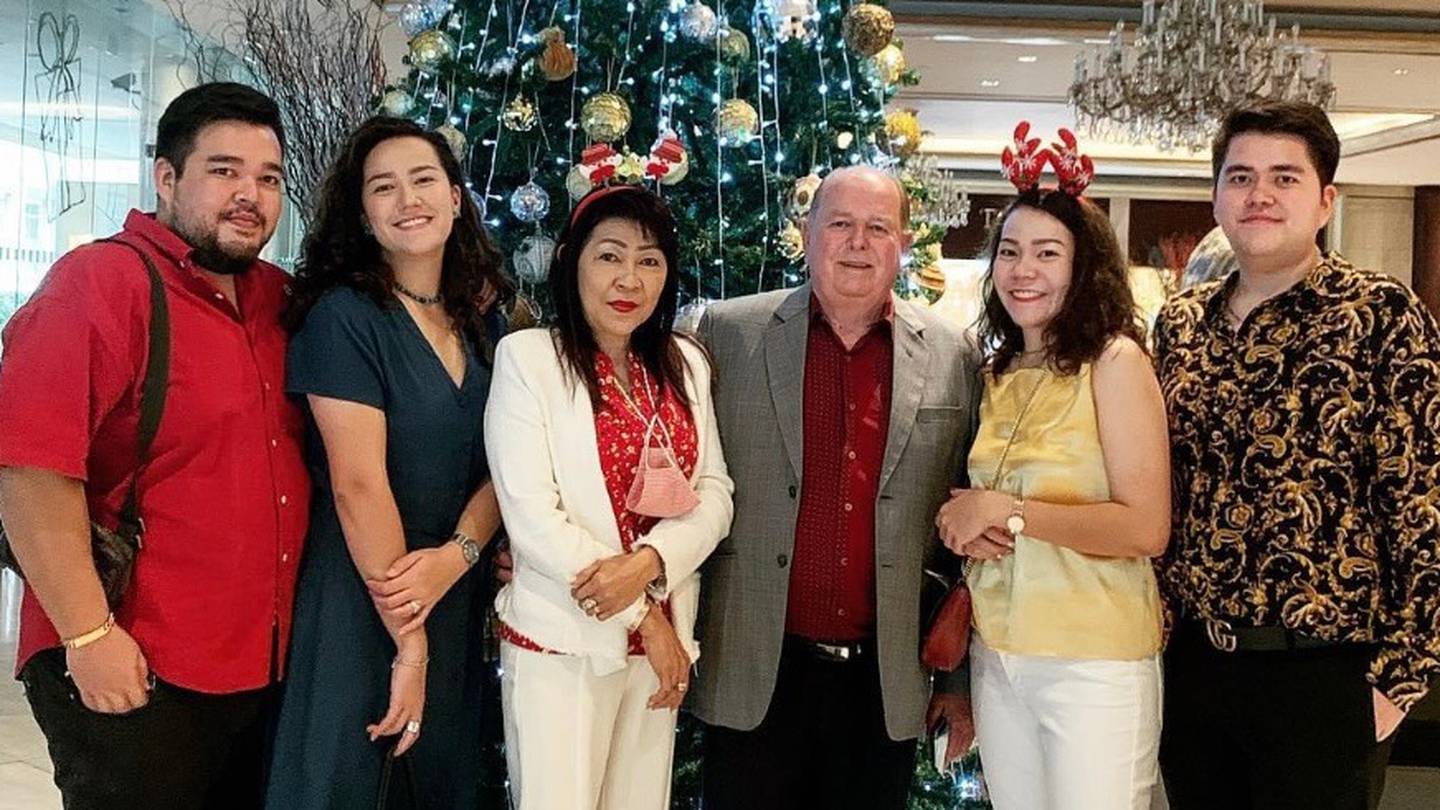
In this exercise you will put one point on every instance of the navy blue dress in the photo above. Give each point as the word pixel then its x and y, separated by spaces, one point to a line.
pixel 338 679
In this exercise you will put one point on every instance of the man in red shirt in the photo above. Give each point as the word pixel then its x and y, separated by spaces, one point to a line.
pixel 164 702
pixel 845 415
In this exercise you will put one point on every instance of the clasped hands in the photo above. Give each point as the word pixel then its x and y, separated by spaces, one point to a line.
pixel 606 587
pixel 972 523
pixel 412 585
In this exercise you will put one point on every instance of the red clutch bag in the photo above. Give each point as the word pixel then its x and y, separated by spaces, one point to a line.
pixel 948 639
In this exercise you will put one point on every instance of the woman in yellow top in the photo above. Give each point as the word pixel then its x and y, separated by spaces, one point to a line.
pixel 1070 499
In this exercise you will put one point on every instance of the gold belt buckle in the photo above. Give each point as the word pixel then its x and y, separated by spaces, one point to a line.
pixel 1222 635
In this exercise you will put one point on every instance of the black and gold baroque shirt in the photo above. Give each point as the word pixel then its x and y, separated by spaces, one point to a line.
pixel 1306 457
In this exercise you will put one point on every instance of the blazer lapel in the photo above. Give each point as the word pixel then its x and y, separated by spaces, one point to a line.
pixel 785 340
pixel 907 387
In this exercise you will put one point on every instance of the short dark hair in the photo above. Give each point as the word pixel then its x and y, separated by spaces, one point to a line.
pixel 652 341
pixel 207 104
pixel 1303 120
pixel 1099 305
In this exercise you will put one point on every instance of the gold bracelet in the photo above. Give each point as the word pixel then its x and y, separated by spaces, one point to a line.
pixel 401 662
pixel 76 642
pixel 644 614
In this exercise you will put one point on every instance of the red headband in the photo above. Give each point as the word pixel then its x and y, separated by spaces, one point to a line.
pixel 604 191
pixel 1023 165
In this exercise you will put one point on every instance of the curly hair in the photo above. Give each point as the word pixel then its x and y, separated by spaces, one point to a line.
pixel 338 250
pixel 1097 308
pixel 652 341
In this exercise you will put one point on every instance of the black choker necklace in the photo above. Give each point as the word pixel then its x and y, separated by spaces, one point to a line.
pixel 427 300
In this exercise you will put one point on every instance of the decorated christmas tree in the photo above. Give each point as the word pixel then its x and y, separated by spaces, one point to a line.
pixel 733 110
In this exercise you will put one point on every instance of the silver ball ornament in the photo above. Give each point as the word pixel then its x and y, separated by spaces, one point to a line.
pixel 697 22
pixel 530 203
pixel 532 258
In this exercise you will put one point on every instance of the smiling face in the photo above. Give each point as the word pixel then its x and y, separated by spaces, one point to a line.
pixel 854 237
pixel 621 276
pixel 408 201
pixel 1269 200
pixel 226 200
pixel 1034 262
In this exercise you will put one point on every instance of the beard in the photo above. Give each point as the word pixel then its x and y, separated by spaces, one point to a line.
pixel 210 254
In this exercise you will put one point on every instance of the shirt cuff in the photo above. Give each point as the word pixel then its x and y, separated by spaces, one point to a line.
pixel 1393 671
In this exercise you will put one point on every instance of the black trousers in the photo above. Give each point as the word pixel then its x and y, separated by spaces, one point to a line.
pixel 823 743
pixel 1269 730
pixel 183 750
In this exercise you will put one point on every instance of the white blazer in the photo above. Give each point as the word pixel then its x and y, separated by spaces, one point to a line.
pixel 545 463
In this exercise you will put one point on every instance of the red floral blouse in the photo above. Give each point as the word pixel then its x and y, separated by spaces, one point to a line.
pixel 620 424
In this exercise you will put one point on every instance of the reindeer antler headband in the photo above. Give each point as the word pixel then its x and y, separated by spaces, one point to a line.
pixel 1023 164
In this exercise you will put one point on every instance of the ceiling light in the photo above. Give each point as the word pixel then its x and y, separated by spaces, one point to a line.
pixel 989 82
pixel 1402 71
pixel 1029 60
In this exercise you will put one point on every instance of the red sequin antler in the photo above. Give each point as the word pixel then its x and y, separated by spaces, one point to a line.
pixel 1022 165
pixel 1076 171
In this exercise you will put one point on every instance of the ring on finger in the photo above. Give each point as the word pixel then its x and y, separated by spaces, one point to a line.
pixel 415 607
pixel 412 727
pixel 681 687
pixel 589 604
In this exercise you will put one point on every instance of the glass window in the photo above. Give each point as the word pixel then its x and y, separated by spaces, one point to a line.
pixel 77 129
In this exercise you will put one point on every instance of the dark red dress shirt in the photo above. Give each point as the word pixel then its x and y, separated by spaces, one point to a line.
pixel 225 496
pixel 847 419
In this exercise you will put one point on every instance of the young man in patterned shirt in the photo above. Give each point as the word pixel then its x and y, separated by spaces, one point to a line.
pixel 1304 569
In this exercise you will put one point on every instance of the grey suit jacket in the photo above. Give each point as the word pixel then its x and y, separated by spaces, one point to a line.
pixel 759 343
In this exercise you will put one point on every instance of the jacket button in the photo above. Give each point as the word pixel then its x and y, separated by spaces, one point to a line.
pixel 782 560
pixel 792 490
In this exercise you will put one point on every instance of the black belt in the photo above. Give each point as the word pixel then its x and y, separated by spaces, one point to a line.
pixel 835 652
pixel 1273 638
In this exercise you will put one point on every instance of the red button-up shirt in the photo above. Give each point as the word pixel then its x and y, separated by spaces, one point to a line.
pixel 847 418
pixel 225 496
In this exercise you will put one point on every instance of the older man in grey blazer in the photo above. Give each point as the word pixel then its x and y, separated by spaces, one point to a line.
pixel 846 416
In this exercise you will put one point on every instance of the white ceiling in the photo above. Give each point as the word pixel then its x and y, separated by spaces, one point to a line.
pixel 974 88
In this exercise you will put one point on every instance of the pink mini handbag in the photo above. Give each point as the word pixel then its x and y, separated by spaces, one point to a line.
pixel 660 489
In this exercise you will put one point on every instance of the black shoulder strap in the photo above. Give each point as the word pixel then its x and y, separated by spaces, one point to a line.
pixel 152 390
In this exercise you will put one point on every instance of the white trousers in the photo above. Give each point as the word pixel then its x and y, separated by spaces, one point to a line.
pixel 1066 733
pixel 575 740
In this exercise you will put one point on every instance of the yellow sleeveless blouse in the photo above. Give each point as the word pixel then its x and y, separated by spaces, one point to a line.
pixel 1044 599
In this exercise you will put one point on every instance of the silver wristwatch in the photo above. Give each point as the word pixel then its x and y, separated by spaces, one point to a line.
pixel 468 547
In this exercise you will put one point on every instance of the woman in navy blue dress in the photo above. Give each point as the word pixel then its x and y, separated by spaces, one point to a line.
pixel 389 355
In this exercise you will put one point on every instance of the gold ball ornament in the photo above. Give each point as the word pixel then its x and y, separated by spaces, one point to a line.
pixel 430 49
pixel 803 195
pixel 577 184
pixel 455 138
pixel 868 28
pixel 519 115
pixel 736 121
pixel 557 61
pixel 792 241
pixel 884 67
pixel 903 130
pixel 605 117
pixel 734 46
pixel 396 102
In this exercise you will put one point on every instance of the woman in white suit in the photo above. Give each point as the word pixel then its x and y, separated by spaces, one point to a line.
pixel 604 452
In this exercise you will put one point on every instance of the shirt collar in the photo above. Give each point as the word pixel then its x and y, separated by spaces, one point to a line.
pixel 1325 281
pixel 887 315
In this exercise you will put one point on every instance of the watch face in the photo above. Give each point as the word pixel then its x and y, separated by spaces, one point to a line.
pixel 1015 524
pixel 471 551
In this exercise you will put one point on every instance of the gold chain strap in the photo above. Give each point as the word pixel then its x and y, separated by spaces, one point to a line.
pixel 1005 454
pixel 1014 431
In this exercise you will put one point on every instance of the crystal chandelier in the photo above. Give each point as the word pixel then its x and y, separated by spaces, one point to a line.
pixel 1189 64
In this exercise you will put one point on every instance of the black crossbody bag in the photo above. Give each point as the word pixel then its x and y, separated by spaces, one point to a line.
pixel 115 549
